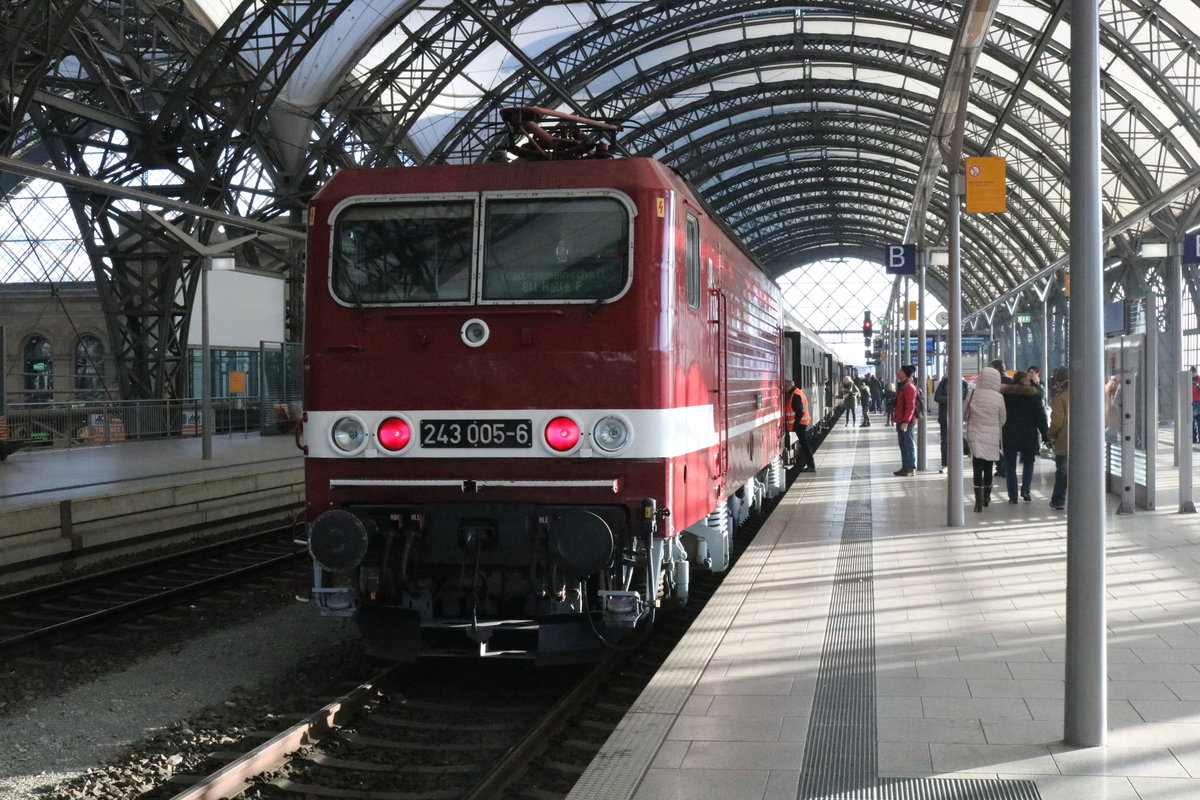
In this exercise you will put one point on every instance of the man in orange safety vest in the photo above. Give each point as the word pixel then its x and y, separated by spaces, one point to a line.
pixel 797 417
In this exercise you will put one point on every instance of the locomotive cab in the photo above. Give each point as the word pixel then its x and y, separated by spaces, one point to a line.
pixel 523 382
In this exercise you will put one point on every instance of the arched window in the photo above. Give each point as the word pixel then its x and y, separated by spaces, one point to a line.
pixel 39 370
pixel 89 368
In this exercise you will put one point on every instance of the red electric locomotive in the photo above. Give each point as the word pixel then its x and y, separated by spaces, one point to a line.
pixel 535 393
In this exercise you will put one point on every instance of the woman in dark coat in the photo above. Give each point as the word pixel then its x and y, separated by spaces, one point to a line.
pixel 1024 428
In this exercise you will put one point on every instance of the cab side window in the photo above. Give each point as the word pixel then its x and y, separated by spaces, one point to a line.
pixel 693 262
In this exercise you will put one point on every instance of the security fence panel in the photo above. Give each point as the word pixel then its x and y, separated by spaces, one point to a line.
pixel 282 385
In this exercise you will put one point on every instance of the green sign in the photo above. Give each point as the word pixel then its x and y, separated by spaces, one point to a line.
pixel 1024 319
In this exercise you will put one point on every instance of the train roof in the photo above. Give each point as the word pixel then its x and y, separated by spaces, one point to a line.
pixel 791 322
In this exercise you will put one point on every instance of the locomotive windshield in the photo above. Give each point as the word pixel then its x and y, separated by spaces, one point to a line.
pixel 555 249
pixel 568 249
pixel 403 252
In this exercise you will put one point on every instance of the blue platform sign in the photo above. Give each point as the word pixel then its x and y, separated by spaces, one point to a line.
pixel 973 344
pixel 1191 248
pixel 900 259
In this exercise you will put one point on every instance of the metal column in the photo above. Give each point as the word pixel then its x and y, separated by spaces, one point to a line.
pixel 1150 397
pixel 207 419
pixel 1183 407
pixel 1174 312
pixel 1047 371
pixel 1183 381
pixel 1012 340
pixel 922 371
pixel 1085 702
pixel 954 427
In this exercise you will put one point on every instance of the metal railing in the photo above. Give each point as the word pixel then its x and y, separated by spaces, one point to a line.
pixel 80 423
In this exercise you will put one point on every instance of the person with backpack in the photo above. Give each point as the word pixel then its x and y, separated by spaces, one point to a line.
pixel 905 417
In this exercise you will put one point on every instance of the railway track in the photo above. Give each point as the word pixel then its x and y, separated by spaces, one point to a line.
pixel 69 609
pixel 453 730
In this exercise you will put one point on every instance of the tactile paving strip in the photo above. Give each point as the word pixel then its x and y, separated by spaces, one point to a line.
pixel 841 753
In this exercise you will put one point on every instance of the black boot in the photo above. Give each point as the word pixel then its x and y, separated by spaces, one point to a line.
pixel 987 495
pixel 978 499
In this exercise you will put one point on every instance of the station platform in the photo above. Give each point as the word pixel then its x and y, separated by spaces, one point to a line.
pixel 860 648
pixel 93 502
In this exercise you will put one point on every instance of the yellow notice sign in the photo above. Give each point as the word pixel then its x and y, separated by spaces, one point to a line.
pixel 986 185
pixel 237 381
pixel 912 309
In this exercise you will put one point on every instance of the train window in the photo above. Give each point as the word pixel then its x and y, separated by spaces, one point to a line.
pixel 693 262
pixel 403 252
pixel 555 249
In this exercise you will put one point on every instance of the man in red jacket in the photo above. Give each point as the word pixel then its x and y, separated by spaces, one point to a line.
pixel 905 417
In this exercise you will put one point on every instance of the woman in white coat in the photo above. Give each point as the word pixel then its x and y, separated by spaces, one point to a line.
pixel 983 419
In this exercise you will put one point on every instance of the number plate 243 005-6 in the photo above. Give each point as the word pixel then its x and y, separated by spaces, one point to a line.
pixel 476 433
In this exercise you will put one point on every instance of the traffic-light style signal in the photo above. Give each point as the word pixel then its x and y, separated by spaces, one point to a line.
pixel 867 325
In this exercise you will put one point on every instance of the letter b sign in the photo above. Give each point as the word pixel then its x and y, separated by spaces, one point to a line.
pixel 900 259
pixel 1191 248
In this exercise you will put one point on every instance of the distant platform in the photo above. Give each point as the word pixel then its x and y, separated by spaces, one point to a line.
pixel 88 503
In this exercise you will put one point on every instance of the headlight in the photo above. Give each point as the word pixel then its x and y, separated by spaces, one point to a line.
pixel 348 434
pixel 611 434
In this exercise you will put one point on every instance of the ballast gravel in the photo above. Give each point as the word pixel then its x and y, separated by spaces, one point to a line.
pixel 61 737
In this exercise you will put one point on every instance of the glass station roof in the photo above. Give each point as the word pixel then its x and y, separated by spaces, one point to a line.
pixel 805 125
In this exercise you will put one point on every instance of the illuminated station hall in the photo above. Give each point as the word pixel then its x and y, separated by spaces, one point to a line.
pixel 581 400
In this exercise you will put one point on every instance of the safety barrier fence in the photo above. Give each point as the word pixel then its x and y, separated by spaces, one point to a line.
pixel 80 424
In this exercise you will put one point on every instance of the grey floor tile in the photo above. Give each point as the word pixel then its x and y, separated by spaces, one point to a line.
pixel 1010 759
pixel 1150 762
pixel 906 729
pixel 727 729
pixel 782 785
pixel 981 708
pixel 1073 787
pixel 1165 788
pixel 744 756
pixel 670 755
pixel 703 784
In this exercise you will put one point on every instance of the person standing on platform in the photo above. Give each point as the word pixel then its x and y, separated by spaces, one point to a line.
pixel 1025 423
pixel 1195 407
pixel 876 393
pixel 849 398
pixel 905 417
pixel 1059 409
pixel 798 419
pixel 889 402
pixel 983 420
pixel 864 400
pixel 941 396
pixel 1035 378
pixel 998 365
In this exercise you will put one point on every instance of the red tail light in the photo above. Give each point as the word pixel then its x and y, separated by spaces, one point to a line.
pixel 394 434
pixel 562 434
